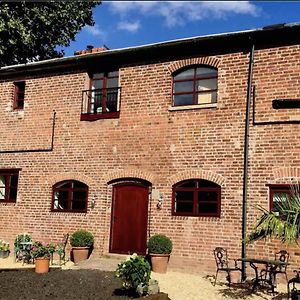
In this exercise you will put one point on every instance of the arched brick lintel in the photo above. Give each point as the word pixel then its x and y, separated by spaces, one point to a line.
pixel 70 176
pixel 201 174
pixel 210 61
pixel 287 174
pixel 130 173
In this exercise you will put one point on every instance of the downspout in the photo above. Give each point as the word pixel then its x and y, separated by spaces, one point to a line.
pixel 246 162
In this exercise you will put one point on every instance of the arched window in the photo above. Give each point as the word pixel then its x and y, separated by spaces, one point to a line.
pixel 70 196
pixel 196 197
pixel 195 85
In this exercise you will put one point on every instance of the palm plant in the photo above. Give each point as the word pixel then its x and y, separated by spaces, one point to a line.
pixel 283 222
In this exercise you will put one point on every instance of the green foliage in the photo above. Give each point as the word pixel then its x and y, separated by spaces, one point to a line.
pixel 81 238
pixel 42 250
pixel 160 244
pixel 283 223
pixel 21 238
pixel 31 31
pixel 4 246
pixel 135 273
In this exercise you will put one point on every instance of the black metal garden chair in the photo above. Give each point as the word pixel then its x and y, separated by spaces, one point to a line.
pixel 222 262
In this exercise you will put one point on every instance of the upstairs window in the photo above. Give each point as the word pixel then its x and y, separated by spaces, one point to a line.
pixel 102 99
pixel 8 185
pixel 279 193
pixel 70 196
pixel 197 197
pixel 195 86
pixel 19 94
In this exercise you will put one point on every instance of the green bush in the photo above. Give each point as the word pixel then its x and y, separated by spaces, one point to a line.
pixel 81 238
pixel 21 238
pixel 135 274
pixel 160 244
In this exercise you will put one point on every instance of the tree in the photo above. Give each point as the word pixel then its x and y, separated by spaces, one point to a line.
pixel 31 31
pixel 284 223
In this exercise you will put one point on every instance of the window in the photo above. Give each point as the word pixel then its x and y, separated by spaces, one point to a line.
pixel 102 99
pixel 279 193
pixel 196 85
pixel 19 94
pixel 8 185
pixel 196 197
pixel 70 196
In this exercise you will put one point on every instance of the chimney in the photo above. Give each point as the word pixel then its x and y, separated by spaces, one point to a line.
pixel 91 49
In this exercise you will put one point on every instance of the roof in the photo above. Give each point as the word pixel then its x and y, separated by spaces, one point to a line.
pixel 206 44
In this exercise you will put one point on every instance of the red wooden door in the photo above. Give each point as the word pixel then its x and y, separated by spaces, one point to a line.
pixel 129 219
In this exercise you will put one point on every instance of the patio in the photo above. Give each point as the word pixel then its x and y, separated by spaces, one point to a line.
pixel 176 284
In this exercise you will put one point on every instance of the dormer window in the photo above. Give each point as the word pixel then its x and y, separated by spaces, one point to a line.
pixel 196 85
pixel 101 101
pixel 19 94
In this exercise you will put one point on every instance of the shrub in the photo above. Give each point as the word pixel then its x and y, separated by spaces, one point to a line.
pixel 42 250
pixel 4 246
pixel 135 274
pixel 81 238
pixel 160 244
pixel 21 238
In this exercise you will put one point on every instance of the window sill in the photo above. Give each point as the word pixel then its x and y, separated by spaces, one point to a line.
pixel 196 106
pixel 196 215
pixel 94 117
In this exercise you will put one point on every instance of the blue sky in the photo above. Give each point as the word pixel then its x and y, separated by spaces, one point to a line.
pixel 120 24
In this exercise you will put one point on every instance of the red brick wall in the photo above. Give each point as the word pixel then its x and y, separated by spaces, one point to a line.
pixel 150 142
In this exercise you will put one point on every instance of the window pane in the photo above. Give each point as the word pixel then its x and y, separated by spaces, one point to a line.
pixel 207 84
pixel 96 102
pixel 13 193
pixel 78 184
pixel 112 100
pixel 205 98
pixel 186 99
pixel 183 86
pixel 113 74
pixel 190 183
pixel 97 84
pixel 2 187
pixel 64 185
pixel 208 208
pixel 187 74
pixel 206 72
pixel 210 196
pixel 14 180
pixel 79 205
pixel 113 82
pixel 206 183
pixel 279 197
pixel 79 195
pixel 20 96
pixel 98 75
pixel 61 200
pixel 184 201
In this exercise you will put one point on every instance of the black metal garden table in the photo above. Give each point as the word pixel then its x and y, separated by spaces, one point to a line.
pixel 265 275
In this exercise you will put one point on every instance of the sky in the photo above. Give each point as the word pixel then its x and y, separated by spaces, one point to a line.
pixel 121 24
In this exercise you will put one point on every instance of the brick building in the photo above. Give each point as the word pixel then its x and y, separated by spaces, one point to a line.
pixel 150 139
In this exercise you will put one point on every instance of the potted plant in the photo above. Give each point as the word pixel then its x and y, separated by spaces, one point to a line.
pixel 41 253
pixel 81 241
pixel 159 248
pixel 4 249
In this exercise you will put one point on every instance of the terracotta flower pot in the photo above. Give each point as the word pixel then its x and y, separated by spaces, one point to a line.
pixel 159 262
pixel 235 276
pixel 42 265
pixel 80 253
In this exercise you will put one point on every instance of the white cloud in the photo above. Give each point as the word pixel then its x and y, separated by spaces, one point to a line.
pixel 129 26
pixel 180 12
pixel 95 31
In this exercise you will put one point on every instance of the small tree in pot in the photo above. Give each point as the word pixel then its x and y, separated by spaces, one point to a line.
pixel 159 248
pixel 81 241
